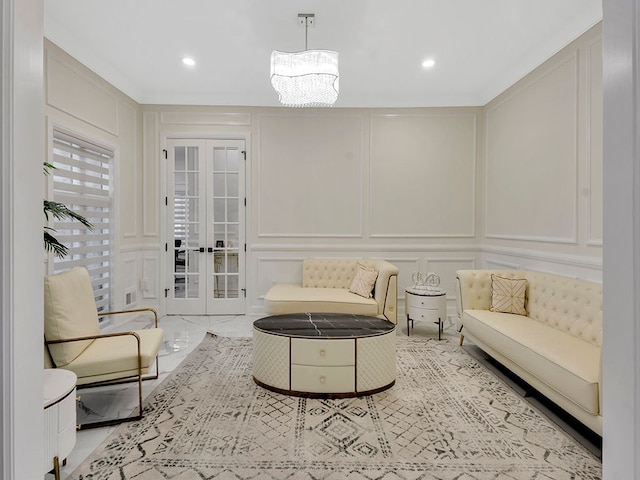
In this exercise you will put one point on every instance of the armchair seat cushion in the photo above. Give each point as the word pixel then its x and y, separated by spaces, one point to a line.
pixel 286 298
pixel 116 357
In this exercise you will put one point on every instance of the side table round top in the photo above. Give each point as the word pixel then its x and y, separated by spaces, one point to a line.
pixel 58 383
pixel 426 292
pixel 323 325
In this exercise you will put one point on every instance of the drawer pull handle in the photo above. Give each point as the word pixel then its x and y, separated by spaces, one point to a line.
pixel 322 379
pixel 322 354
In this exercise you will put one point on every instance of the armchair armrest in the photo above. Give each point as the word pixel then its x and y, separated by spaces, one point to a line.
pixel 101 336
pixel 135 310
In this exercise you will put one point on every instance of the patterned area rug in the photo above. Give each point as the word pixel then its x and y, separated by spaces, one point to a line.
pixel 447 417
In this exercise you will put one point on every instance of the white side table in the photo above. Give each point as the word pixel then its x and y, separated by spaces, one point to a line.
pixel 426 304
pixel 59 417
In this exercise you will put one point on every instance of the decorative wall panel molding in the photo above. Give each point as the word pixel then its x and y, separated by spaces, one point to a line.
pixel 419 163
pixel 370 247
pixel 594 263
pixel 446 268
pixel 128 192
pixel 594 144
pixel 501 265
pixel 72 91
pixel 150 277
pixel 522 201
pixel 150 175
pixel 272 270
pixel 309 173
pixel 205 118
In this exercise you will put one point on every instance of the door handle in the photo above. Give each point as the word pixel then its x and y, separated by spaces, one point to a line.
pixel 210 249
pixel 201 249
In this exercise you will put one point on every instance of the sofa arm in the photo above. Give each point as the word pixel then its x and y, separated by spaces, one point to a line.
pixel 385 291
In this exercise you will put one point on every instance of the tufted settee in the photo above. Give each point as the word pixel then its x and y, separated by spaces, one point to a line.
pixel 325 288
pixel 556 347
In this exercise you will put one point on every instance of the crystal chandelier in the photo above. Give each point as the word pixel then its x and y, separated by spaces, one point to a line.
pixel 308 78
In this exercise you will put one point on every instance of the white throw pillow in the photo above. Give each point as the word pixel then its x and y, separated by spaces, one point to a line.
pixel 363 281
pixel 508 295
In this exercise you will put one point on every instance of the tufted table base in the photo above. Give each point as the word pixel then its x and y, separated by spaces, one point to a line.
pixel 324 355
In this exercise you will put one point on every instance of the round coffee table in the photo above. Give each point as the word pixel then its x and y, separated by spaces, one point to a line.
pixel 326 355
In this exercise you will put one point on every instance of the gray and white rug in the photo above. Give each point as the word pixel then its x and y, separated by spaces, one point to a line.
pixel 447 417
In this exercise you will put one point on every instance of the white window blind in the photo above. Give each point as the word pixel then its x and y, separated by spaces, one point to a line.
pixel 81 181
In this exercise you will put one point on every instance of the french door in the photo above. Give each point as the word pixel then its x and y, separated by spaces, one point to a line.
pixel 205 227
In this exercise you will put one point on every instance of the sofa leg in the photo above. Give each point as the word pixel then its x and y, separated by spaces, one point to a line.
pixel 461 338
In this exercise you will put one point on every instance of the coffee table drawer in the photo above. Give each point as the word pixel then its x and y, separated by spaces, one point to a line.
pixel 323 379
pixel 323 352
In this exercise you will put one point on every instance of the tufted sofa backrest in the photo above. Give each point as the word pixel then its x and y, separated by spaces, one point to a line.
pixel 339 273
pixel 571 305
pixel 328 272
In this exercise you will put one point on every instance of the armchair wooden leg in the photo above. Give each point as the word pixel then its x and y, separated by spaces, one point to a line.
pixel 461 338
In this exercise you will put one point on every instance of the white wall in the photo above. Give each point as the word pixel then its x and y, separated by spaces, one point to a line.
pixel 392 183
pixel 80 102
pixel 21 328
pixel 542 172
pixel 515 184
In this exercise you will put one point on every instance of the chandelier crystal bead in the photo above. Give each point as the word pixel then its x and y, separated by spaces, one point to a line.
pixel 305 79
pixel 308 78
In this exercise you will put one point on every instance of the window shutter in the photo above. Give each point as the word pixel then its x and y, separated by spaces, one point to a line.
pixel 81 181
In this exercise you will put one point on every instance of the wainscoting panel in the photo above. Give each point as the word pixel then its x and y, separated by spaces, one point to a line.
pixel 151 277
pixel 446 268
pixel 283 264
pixel 272 270
pixel 575 266
pixel 423 166
pixel 309 175
pixel 530 133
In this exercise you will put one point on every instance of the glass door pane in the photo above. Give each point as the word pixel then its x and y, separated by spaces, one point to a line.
pixel 184 227
pixel 205 227
pixel 225 220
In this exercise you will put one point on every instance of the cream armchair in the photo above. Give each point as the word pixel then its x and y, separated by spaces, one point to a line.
pixel 74 342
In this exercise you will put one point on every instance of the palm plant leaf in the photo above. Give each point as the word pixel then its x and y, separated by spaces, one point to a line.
pixel 59 211
pixel 51 244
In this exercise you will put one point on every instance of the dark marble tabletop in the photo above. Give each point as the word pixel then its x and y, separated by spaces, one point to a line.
pixel 323 325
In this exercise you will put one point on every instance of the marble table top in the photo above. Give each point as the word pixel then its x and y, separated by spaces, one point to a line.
pixel 323 325
pixel 426 291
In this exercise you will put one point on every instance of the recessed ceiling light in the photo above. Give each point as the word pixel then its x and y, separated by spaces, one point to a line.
pixel 189 61
pixel 428 63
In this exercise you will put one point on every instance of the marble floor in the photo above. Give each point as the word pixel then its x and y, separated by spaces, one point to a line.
pixel 183 334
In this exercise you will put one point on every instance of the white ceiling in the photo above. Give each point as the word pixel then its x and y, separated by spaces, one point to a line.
pixel 481 46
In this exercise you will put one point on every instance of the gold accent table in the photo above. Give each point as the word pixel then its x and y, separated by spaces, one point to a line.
pixel 59 417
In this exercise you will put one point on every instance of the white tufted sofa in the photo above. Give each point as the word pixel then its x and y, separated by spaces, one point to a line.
pixel 325 288
pixel 556 348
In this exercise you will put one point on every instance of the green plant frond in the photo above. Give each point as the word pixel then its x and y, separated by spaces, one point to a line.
pixel 47 167
pixel 59 211
pixel 51 244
